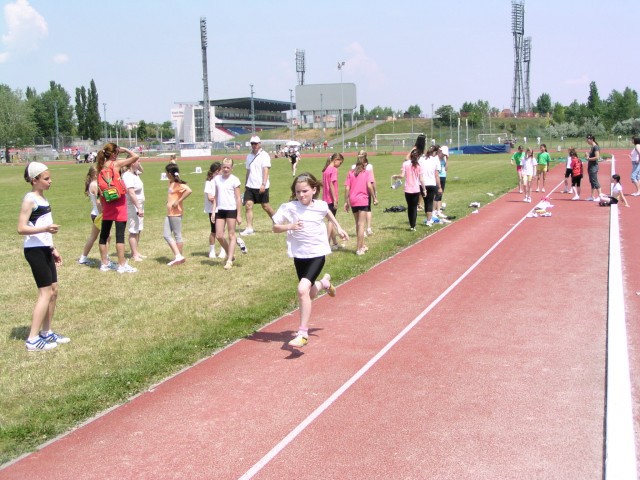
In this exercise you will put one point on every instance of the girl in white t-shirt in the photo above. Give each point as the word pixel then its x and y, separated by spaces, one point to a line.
pixel 209 197
pixel 307 243
pixel 528 169
pixel 616 194
pixel 228 209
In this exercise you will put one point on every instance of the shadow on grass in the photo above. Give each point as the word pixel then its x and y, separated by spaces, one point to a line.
pixel 20 333
pixel 282 337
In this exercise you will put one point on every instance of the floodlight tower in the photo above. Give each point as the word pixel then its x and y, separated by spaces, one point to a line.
pixel 526 60
pixel 206 119
pixel 300 66
pixel 517 24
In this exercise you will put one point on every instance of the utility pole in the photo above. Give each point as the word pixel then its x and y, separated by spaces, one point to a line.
pixel 253 113
pixel 291 109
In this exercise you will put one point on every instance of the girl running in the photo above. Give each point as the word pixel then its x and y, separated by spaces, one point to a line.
pixel 307 243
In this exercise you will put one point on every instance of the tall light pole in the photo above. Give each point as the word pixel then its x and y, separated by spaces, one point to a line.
pixel 340 66
pixel 253 114
pixel 322 119
pixel 431 123
pixel 291 109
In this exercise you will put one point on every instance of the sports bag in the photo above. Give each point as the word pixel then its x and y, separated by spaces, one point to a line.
pixel 110 184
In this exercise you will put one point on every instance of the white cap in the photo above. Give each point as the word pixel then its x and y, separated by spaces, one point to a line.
pixel 445 150
pixel 255 139
pixel 36 168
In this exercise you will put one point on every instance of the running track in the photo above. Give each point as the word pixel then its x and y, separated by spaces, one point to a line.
pixel 478 353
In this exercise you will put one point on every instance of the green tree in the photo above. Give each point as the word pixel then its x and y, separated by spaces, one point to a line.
pixel 143 132
pixel 621 106
pixel 543 104
pixel 53 103
pixel 81 112
pixel 17 128
pixel 414 111
pixel 558 113
pixel 445 115
pixel 94 126
pixel 594 104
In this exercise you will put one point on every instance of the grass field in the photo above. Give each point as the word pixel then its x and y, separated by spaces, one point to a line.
pixel 166 318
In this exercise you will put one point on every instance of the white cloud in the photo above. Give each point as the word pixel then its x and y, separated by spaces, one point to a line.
pixel 359 63
pixel 582 80
pixel 25 28
pixel 60 58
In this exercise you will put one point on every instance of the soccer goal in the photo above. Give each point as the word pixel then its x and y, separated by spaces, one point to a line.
pixel 403 141
pixel 492 138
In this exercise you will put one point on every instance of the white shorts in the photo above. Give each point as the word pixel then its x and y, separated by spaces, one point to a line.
pixel 135 224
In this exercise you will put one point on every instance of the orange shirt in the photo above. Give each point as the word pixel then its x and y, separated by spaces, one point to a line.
pixel 175 192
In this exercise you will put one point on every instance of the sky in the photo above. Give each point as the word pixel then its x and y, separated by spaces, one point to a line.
pixel 145 55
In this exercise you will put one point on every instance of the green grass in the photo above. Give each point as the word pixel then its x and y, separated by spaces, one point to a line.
pixel 165 318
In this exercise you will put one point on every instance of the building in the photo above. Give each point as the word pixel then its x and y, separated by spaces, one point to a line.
pixel 229 118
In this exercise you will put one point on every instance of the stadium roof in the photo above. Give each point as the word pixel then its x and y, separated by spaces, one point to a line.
pixel 258 103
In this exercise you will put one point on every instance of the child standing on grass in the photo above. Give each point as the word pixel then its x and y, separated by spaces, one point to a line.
pixel 358 190
pixel 330 192
pixel 209 197
pixel 91 191
pixel 528 170
pixel 307 243
pixel 178 191
pixel 35 222
pixel 228 209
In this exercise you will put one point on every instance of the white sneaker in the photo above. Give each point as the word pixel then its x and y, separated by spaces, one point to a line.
pixel 177 261
pixel 126 268
pixel 85 261
pixel 589 199
pixel 108 267
pixel 247 231
pixel 222 254
pixel 576 198
pixel 212 254
pixel 242 245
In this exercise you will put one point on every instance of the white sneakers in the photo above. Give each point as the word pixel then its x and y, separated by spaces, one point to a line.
pixel 247 231
pixel 179 260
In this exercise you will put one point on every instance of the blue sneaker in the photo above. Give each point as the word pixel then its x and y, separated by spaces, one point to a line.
pixel 39 345
pixel 53 337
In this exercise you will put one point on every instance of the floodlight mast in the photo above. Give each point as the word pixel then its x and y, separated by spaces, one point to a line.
pixel 517 23
pixel 526 60
pixel 206 105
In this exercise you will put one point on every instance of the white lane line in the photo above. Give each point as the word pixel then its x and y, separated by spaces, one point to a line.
pixel 338 393
pixel 620 461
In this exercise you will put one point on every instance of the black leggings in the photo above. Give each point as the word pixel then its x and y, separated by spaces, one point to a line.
pixel 105 231
pixel 428 198
pixel 412 207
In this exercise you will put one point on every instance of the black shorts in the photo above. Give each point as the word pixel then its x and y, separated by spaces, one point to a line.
pixel 363 208
pixel 222 214
pixel 293 159
pixel 42 265
pixel 309 268
pixel 254 195
pixel 443 182
pixel 567 172
pixel 332 209
pixel 212 222
pixel 575 180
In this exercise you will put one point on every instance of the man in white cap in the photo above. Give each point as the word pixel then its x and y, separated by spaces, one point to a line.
pixel 256 183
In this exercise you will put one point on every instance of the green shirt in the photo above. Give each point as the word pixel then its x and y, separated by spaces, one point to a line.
pixel 544 158
pixel 517 157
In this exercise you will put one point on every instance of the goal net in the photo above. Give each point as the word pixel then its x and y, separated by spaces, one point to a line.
pixel 402 141
pixel 492 138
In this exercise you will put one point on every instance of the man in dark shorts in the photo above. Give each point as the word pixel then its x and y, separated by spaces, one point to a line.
pixel 256 183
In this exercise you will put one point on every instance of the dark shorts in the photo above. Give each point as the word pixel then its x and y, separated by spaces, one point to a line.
pixel 567 172
pixel 212 222
pixel 332 209
pixel 222 214
pixel 42 265
pixel 363 208
pixel 105 231
pixel 575 180
pixel 293 159
pixel 254 195
pixel 309 268
pixel 431 192
pixel 443 182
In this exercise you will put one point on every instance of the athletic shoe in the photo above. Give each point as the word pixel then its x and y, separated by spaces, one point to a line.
pixel 228 265
pixel 369 232
pixel 212 254
pixel 222 254
pixel 241 244
pixel 108 267
pixel 412 229
pixel 126 268
pixel 331 290
pixel 361 251
pixel 543 189
pixel 247 231
pixel 635 194
pixel 179 260
pixel 299 341
pixel 445 220
pixel 537 189
pixel 576 198
pixel 54 337
pixel 590 199
pixel 39 345
pixel 596 199
pixel 85 261
pixel 428 223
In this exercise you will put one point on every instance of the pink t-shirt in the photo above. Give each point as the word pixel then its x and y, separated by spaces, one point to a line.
pixel 358 188
pixel 330 178
pixel 411 176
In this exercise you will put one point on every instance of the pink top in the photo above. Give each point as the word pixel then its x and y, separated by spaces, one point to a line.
pixel 330 178
pixel 358 188
pixel 411 176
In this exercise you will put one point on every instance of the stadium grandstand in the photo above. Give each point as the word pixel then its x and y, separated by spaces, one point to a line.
pixel 229 118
